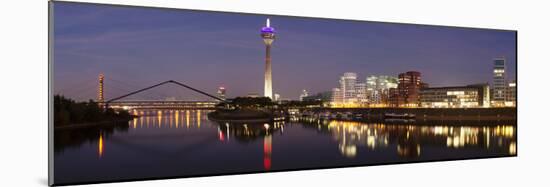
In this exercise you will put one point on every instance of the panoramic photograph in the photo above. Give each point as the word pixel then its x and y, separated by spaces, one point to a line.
pixel 151 93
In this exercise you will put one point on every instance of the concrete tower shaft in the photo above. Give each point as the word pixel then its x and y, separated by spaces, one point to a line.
pixel 268 35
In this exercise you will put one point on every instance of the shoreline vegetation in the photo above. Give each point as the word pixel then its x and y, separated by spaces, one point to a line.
pixel 69 114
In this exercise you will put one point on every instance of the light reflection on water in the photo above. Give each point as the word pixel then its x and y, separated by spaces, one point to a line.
pixel 352 134
pixel 186 142
pixel 410 138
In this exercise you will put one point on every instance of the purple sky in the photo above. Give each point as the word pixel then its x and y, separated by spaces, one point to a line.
pixel 137 47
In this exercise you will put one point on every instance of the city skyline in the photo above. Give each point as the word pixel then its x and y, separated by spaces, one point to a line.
pixel 168 92
pixel 125 43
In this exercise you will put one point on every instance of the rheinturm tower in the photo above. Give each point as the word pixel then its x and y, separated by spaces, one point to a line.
pixel 268 35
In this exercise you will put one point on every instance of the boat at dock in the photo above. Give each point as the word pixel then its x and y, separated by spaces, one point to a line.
pixel 399 116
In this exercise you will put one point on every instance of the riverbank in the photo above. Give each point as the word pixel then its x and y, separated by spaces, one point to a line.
pixel 413 122
pixel 441 114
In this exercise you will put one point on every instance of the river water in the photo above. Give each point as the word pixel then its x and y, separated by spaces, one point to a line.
pixel 180 143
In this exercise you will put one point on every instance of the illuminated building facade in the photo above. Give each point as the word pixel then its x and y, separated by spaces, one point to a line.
pixel 337 96
pixel 322 96
pixel 347 87
pixel 221 92
pixel 362 95
pixel 378 88
pixel 373 92
pixel 455 97
pixel 303 95
pixel 276 97
pixel 407 92
pixel 499 81
pixel 268 36
pixel 511 94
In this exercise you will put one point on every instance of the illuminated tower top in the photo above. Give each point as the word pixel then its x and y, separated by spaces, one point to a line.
pixel 268 33
pixel 268 28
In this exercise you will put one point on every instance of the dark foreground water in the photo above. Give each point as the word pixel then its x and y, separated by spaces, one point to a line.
pixel 181 143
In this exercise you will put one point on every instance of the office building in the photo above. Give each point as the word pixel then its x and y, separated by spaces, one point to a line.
pixel 304 94
pixel 361 93
pixel 378 89
pixel 337 96
pixel 499 82
pixel 511 91
pixel 407 92
pixel 471 96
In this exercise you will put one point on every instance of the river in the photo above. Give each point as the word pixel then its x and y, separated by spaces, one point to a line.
pixel 180 143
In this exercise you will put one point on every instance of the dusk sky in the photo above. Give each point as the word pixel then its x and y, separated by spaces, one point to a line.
pixel 138 47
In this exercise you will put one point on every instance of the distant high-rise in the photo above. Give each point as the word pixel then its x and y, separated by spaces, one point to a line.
pixel 347 87
pixel 499 81
pixel 268 35
pixel 276 97
pixel 221 92
pixel 304 94
pixel 407 92
pixel 378 88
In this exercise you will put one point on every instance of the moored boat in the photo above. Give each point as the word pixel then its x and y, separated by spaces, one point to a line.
pixel 399 116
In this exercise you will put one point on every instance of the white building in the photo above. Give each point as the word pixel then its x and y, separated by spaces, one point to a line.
pixel 304 94
pixel 337 96
pixel 362 95
pixel 276 97
pixel 347 87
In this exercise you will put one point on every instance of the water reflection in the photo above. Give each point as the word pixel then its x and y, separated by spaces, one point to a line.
pixel 247 132
pixel 165 141
pixel 351 136
pixel 168 118
pixel 409 139
pixel 74 138
pixel 267 152
pixel 100 145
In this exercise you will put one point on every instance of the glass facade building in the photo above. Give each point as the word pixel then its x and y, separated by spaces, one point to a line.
pixel 471 96
pixel 378 88
pixel 499 81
